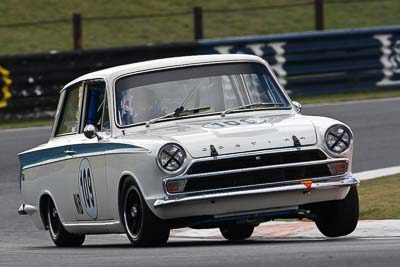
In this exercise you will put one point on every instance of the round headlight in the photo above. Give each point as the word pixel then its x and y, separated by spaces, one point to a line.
pixel 338 138
pixel 171 158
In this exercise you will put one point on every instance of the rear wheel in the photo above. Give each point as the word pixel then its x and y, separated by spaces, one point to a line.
pixel 143 228
pixel 338 217
pixel 58 234
pixel 236 232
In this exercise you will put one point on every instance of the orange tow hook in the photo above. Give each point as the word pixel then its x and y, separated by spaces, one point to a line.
pixel 308 185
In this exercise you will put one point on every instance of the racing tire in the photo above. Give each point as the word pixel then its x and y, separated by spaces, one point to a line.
pixel 58 234
pixel 339 217
pixel 236 232
pixel 142 227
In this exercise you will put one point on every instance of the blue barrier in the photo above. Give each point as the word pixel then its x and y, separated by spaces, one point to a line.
pixel 325 62
pixel 306 64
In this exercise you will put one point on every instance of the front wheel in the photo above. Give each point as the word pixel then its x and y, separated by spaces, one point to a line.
pixel 143 228
pixel 58 234
pixel 236 232
pixel 338 217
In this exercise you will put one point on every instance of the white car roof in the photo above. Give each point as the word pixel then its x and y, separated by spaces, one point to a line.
pixel 114 72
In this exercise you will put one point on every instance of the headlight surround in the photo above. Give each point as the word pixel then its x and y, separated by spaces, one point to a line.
pixel 338 138
pixel 171 158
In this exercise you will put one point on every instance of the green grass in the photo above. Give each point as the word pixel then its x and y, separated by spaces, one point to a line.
pixel 348 96
pixel 25 123
pixel 111 33
pixel 380 198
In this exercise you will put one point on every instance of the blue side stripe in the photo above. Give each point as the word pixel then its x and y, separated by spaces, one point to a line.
pixel 42 155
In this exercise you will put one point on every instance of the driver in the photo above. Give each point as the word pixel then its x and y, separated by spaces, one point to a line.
pixel 140 104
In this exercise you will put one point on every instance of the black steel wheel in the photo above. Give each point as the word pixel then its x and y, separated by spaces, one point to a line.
pixel 142 227
pixel 339 217
pixel 133 213
pixel 58 234
pixel 236 232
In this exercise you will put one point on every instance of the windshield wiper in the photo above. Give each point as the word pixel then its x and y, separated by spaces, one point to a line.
pixel 249 106
pixel 180 111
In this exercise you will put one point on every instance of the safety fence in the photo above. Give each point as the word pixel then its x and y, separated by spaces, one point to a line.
pixel 306 64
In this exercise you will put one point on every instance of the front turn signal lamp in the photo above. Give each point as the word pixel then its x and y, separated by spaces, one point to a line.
pixel 176 186
pixel 338 168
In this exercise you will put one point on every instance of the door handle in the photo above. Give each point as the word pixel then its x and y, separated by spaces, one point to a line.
pixel 70 152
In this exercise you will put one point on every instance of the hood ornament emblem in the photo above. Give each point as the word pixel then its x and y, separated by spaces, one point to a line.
pixel 296 141
pixel 214 152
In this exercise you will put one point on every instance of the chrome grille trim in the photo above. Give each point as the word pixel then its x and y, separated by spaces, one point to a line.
pixel 254 153
pixel 277 166
pixel 187 176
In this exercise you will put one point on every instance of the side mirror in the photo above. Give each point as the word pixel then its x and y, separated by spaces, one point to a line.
pixel 90 132
pixel 297 106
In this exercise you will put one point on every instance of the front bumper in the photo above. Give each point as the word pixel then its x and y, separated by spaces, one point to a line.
pixel 252 199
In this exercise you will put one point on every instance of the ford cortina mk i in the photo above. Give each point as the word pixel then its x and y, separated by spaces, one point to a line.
pixel 203 142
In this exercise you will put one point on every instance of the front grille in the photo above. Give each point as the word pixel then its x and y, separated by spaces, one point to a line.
pixel 258 177
pixel 255 161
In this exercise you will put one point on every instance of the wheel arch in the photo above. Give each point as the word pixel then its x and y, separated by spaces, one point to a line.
pixel 44 199
pixel 43 202
pixel 125 177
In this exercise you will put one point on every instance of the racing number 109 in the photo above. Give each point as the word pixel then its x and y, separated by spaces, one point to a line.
pixel 223 124
pixel 87 189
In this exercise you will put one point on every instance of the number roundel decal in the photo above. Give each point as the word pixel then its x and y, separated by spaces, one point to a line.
pixel 87 190
pixel 232 123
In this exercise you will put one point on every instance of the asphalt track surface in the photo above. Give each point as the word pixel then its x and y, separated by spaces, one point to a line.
pixel 376 126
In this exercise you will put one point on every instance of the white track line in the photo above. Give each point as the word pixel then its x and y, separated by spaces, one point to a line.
pixel 340 103
pixel 372 174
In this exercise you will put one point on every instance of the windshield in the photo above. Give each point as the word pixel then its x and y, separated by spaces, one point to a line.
pixel 199 89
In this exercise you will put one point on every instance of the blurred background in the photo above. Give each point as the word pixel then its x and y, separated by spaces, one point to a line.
pixel 45 25
pixel 321 50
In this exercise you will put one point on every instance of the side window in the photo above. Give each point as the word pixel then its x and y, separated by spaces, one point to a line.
pixel 96 111
pixel 69 119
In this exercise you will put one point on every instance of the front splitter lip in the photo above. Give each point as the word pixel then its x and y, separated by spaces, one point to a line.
pixel 348 181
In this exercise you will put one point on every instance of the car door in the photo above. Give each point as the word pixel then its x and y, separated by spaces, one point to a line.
pixel 57 174
pixel 88 156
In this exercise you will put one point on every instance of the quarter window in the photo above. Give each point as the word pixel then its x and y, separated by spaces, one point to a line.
pixel 69 119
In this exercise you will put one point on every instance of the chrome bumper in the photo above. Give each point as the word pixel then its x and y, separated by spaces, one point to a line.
pixel 346 182
pixel 25 209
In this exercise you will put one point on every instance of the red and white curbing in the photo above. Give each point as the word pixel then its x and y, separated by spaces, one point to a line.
pixel 271 230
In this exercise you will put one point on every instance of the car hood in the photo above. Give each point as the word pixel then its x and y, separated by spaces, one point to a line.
pixel 237 134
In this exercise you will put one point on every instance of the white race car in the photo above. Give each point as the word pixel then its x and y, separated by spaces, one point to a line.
pixel 201 141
